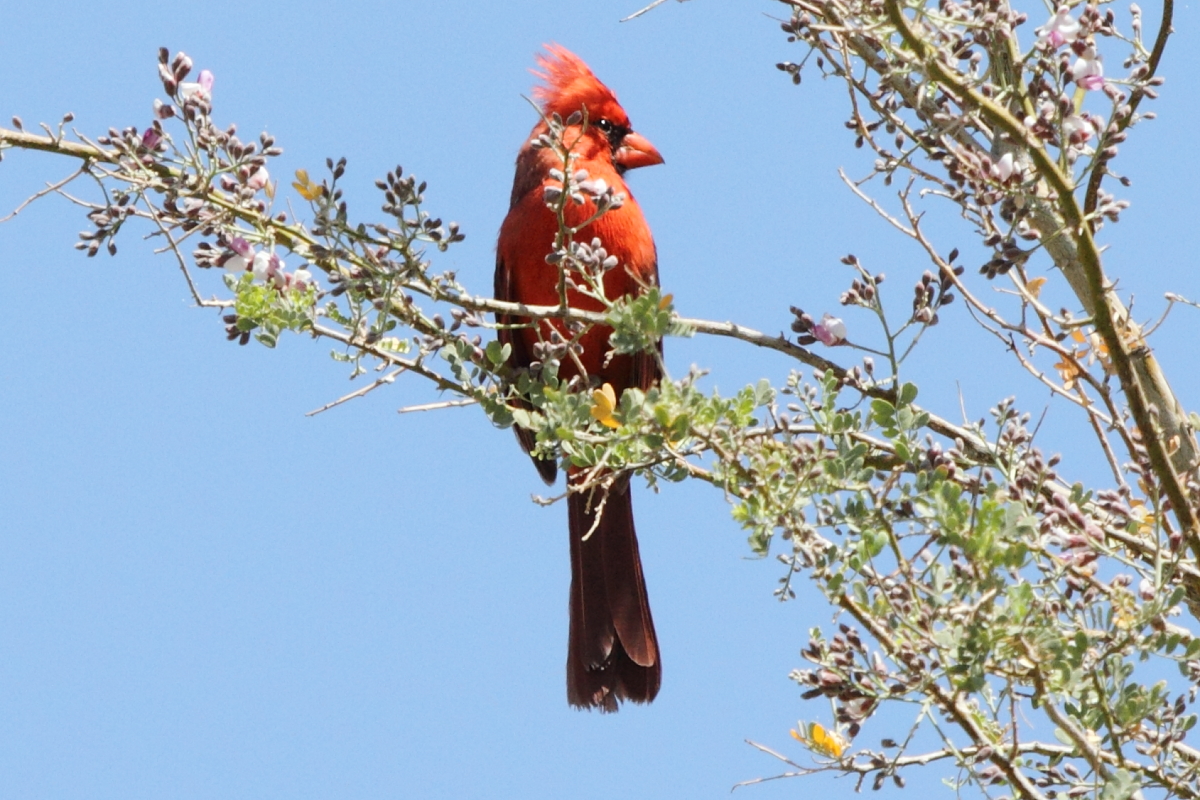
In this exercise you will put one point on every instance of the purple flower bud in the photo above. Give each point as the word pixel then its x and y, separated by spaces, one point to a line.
pixel 151 139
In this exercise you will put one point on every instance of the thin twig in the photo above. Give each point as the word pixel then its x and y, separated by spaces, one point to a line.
pixel 389 378
pixel 466 401
pixel 650 7
pixel 50 189
pixel 187 275
pixel 880 210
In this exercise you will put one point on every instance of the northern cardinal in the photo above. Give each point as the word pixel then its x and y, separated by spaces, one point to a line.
pixel 612 654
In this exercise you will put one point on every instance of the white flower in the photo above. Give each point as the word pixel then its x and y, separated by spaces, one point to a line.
pixel 265 265
pixel 200 90
pixel 1004 169
pixel 1088 70
pixel 830 330
pixel 1061 29
pixel 303 278
pixel 243 254
pixel 1077 129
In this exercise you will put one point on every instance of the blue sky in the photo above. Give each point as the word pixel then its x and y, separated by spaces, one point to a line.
pixel 203 593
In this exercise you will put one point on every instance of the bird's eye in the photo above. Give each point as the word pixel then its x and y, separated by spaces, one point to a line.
pixel 605 125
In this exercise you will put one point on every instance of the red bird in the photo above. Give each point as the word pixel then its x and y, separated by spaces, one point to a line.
pixel 612 654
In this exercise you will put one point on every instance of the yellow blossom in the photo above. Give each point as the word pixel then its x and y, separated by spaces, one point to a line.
pixel 1142 517
pixel 665 302
pixel 307 189
pixel 1035 286
pixel 1124 617
pixel 1068 371
pixel 822 742
pixel 604 402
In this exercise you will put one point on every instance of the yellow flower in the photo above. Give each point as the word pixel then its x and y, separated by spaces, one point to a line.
pixel 1142 517
pixel 604 402
pixel 307 189
pixel 1035 286
pixel 665 302
pixel 1124 618
pixel 1068 371
pixel 822 742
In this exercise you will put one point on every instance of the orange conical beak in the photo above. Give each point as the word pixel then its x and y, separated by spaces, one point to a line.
pixel 636 151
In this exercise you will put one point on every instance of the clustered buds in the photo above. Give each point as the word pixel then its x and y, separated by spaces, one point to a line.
pixel 550 352
pixel 1007 254
pixel 931 293
pixel 580 188
pixel 194 97
pixel 108 221
pixel 862 291
pixel 403 197
pixel 590 257
pixel 856 678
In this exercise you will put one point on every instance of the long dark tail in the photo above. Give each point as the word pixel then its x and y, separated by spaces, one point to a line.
pixel 612 654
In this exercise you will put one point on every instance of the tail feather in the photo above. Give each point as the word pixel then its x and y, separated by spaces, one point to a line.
pixel 612 651
pixel 627 601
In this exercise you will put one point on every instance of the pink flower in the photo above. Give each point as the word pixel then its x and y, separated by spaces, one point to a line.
pixel 1061 29
pixel 200 90
pixel 1088 70
pixel 303 279
pixel 258 179
pixel 243 255
pixel 1077 129
pixel 830 331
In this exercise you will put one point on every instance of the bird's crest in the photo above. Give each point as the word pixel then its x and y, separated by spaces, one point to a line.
pixel 570 86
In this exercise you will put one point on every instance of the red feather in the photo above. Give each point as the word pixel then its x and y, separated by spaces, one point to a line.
pixel 613 651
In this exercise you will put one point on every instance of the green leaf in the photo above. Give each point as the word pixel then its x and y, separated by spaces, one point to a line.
pixel 1120 786
pixel 498 353
pixel 883 413
pixel 525 418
